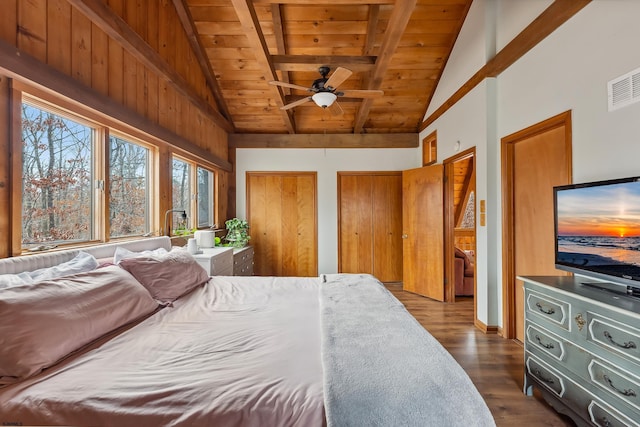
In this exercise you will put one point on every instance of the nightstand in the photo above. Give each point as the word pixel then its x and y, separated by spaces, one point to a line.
pixel 216 261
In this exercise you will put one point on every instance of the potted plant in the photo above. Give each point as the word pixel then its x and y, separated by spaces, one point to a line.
pixel 237 232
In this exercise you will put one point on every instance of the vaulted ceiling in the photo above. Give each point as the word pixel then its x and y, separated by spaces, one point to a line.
pixel 397 46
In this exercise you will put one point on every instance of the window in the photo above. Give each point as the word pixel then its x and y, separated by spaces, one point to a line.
pixel 193 192
pixel 181 192
pixel 57 172
pixel 206 217
pixel 128 188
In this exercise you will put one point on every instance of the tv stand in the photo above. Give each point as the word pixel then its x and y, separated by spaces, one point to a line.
pixel 582 349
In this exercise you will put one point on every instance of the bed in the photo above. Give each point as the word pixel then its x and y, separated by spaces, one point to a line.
pixel 336 350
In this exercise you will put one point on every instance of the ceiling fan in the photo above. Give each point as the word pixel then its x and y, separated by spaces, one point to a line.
pixel 325 90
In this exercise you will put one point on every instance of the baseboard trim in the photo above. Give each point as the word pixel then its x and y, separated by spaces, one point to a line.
pixel 484 328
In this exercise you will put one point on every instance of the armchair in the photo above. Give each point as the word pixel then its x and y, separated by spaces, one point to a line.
pixel 463 273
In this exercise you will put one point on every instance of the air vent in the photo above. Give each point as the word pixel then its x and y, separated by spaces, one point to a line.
pixel 625 90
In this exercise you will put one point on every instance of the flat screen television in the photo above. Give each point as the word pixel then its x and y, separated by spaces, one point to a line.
pixel 597 232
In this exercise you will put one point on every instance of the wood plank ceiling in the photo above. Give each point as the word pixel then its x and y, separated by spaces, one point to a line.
pixel 397 46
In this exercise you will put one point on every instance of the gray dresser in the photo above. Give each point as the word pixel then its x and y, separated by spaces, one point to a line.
pixel 582 350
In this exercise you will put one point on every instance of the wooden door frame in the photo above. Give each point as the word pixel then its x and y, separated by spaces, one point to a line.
pixel 449 225
pixel 508 209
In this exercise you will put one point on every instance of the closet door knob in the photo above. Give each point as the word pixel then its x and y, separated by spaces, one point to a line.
pixel 404 236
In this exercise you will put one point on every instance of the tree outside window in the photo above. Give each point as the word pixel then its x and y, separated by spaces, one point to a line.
pixel 205 198
pixel 128 188
pixel 57 176
pixel 181 192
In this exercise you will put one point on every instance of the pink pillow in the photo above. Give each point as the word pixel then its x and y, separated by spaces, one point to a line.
pixel 41 323
pixel 167 276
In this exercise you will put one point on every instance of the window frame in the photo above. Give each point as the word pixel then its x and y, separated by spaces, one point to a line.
pixel 192 212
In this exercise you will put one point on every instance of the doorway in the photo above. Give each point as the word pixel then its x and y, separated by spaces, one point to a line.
pixel 460 225
pixel 534 160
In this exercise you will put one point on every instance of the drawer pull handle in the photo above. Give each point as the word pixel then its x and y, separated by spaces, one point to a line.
pixel 628 392
pixel 539 375
pixel 548 346
pixel 629 344
pixel 549 311
pixel 605 422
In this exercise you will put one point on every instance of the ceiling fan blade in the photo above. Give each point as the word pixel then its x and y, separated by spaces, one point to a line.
pixel 362 93
pixel 296 103
pixel 289 85
pixel 336 109
pixel 338 77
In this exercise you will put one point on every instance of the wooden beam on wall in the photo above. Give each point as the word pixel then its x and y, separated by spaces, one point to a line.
pixel 251 26
pixel 395 29
pixel 312 62
pixel 23 67
pixel 189 28
pixel 115 27
pixel 337 140
pixel 546 23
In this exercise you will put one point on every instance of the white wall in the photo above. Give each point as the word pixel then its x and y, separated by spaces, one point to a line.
pixel 326 162
pixel 568 70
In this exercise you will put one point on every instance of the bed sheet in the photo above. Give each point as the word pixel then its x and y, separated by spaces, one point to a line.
pixel 239 351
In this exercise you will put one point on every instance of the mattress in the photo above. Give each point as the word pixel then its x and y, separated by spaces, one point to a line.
pixel 236 352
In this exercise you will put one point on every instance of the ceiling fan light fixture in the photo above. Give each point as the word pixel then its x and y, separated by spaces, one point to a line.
pixel 324 99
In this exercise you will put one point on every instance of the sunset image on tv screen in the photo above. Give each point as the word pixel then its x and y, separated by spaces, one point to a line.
pixel 600 226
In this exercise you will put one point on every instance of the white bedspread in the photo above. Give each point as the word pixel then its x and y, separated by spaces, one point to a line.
pixel 203 362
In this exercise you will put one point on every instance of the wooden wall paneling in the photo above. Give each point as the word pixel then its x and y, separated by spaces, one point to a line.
pixel 80 47
pixel 32 28
pixel 387 227
pixel 10 22
pixel 152 14
pixel 59 35
pixel 115 71
pixel 5 167
pixel 99 60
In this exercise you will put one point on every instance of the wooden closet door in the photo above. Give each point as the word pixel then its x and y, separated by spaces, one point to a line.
pixel 355 237
pixel 281 210
pixel 370 224
pixel 387 227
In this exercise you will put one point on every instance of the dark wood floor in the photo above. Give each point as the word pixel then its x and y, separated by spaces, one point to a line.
pixel 494 364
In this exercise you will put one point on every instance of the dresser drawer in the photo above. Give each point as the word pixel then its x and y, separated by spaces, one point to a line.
pixel 545 375
pixel 619 383
pixel 545 342
pixel 556 311
pixel 614 336
pixel 577 396
pixel 603 415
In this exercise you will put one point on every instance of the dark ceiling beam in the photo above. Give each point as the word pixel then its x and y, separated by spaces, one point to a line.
pixel 189 28
pixel 333 2
pixel 335 140
pixel 312 62
pixel 395 29
pixel 372 25
pixel 281 42
pixel 559 12
pixel 100 14
pixel 251 26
